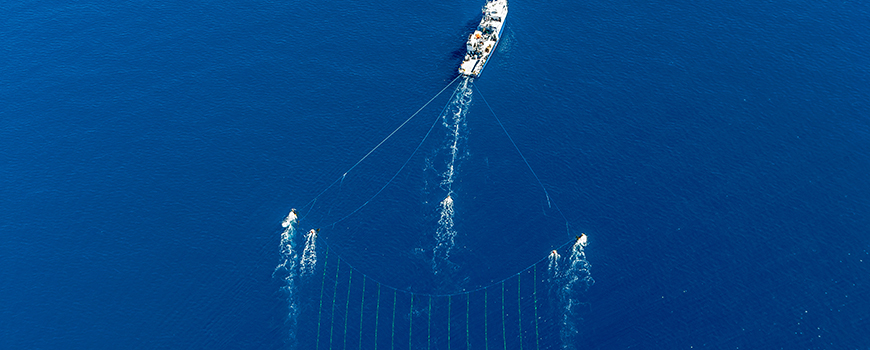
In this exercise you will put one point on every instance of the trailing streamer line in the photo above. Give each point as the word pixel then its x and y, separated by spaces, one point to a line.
pixel 362 304
pixel 575 275
pixel 437 118
pixel 400 126
pixel 467 332
pixel 411 322
pixel 334 293
pixel 377 314
pixel 346 308
pixel 503 329
pixel 520 309
pixel 341 178
pixel 322 282
pixel 547 194
pixel 485 320
pixel 393 327
pixel 535 295
pixel 515 145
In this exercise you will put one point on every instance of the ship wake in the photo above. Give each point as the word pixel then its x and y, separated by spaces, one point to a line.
pixel 454 119
pixel 574 280
pixel 288 270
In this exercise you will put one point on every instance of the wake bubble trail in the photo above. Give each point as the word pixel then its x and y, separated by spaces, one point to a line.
pixel 460 103
pixel 309 254
pixel 455 122
pixel 577 279
pixel 445 234
pixel 290 270
pixel 553 267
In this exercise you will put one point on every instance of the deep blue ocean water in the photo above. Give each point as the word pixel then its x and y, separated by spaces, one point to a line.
pixel 715 153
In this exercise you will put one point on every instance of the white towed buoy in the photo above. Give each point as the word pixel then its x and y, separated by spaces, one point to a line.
pixel 582 239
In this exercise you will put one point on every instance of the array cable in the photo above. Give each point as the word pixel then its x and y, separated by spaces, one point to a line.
pixel 334 294
pixel 346 308
pixel 320 308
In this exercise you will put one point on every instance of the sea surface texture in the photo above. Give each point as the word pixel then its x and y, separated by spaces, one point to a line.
pixel 715 153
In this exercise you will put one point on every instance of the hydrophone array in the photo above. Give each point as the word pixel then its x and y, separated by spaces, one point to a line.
pixel 531 309
pixel 349 310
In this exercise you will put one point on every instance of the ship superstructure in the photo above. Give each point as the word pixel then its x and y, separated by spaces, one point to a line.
pixel 481 44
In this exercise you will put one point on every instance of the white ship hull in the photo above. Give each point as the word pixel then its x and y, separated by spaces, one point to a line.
pixel 482 43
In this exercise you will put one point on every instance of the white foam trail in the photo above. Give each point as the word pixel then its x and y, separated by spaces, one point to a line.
pixel 460 104
pixel 577 279
pixel 288 245
pixel 554 264
pixel 289 268
pixel 445 234
pixel 455 122
pixel 309 254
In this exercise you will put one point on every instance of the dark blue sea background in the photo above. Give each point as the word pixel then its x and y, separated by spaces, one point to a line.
pixel 715 153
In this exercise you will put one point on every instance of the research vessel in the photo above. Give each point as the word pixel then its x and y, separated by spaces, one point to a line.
pixel 481 44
